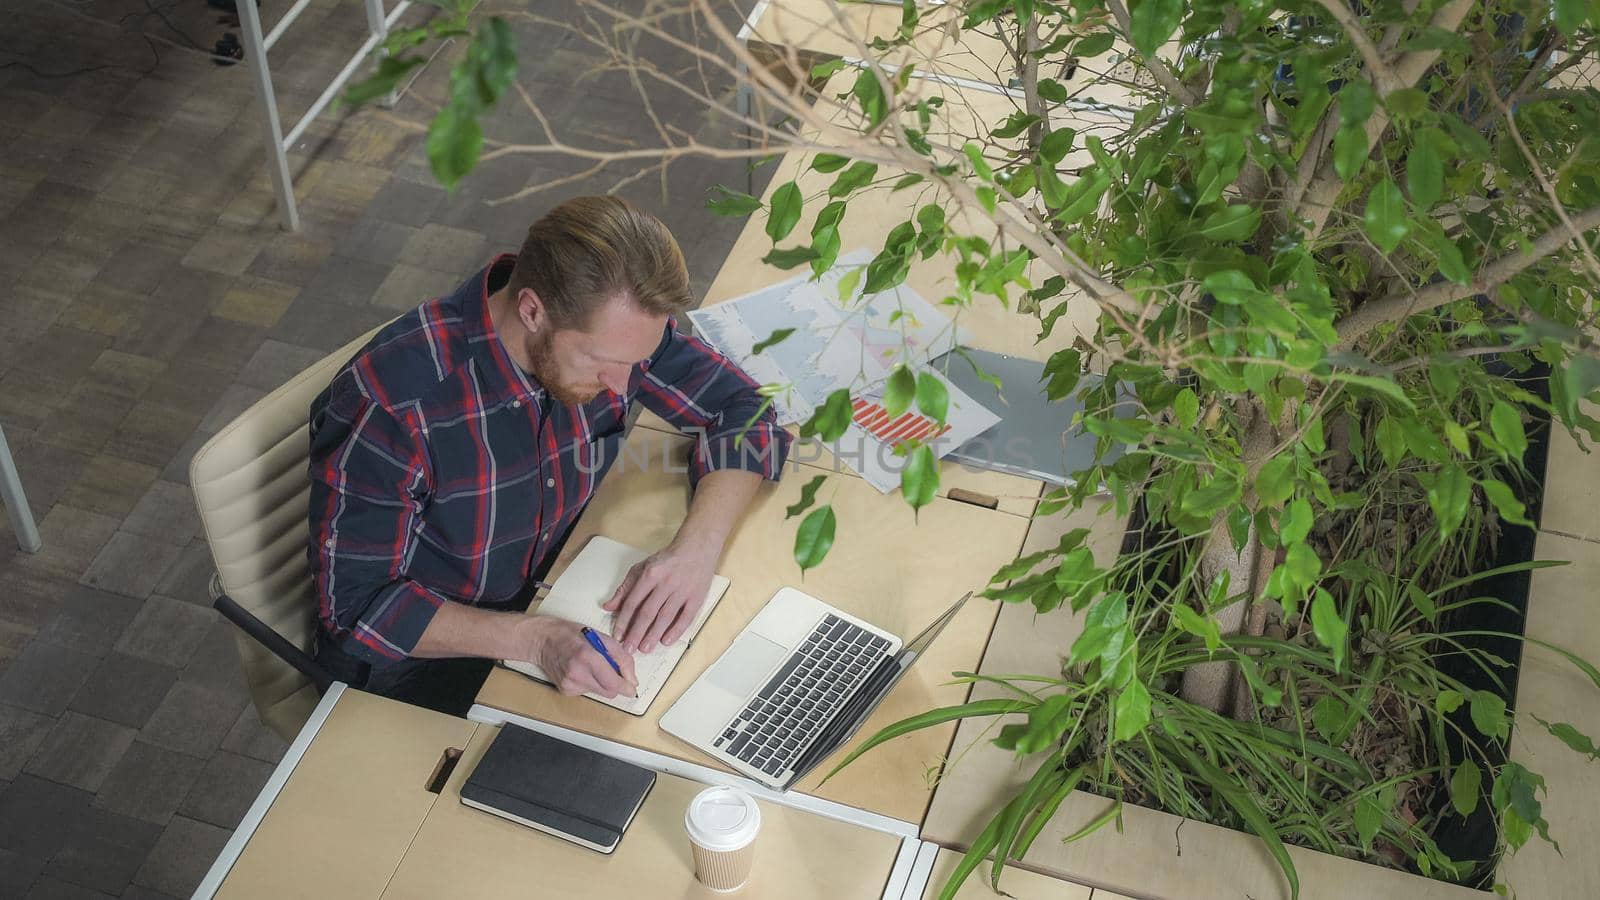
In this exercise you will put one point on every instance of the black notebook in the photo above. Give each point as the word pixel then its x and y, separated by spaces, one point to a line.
pixel 559 788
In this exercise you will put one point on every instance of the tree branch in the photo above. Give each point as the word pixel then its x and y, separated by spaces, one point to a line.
pixel 1400 306
pixel 1383 78
pixel 1158 67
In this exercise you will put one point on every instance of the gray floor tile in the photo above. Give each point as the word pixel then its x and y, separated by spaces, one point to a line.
pixel 29 597
pixel 125 690
pixel 131 564
pixel 140 892
pixel 345 279
pixel 37 817
pixel 250 737
pixel 149 783
pixel 216 663
pixel 275 362
pixel 310 322
pixel 104 851
pixel 50 888
pixel 455 251
pixel 225 789
pixel 80 751
pixel 17 872
pixel 189 577
pixel 44 677
pixel 71 539
pixel 233 402
pixel 21 733
pixel 375 240
pixel 167 631
pixel 166 511
pixel 181 857
pixel 193 719
pixel 409 286
pixel 90 620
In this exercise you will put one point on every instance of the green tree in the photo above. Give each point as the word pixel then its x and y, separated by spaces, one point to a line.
pixel 1343 258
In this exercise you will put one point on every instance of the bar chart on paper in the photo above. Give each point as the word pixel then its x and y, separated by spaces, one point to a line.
pixel 875 420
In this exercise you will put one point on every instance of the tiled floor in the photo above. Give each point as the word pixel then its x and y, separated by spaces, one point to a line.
pixel 147 297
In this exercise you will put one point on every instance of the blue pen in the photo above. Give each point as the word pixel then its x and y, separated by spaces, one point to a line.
pixel 594 641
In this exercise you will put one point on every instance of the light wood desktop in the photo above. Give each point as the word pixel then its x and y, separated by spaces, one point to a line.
pixel 345 818
pixel 463 852
pixel 885 567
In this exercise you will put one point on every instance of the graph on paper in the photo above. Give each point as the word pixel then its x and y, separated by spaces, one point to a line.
pixel 875 420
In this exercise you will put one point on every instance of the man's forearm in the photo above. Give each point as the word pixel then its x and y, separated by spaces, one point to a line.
pixel 461 630
pixel 719 500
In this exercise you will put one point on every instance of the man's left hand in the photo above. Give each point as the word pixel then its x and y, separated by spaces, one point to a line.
pixel 660 596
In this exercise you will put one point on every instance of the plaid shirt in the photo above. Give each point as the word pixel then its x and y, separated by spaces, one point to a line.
pixel 440 471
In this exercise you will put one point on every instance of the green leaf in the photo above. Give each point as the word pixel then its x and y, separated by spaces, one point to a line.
pixel 1572 737
pixel 1093 44
pixel 1153 21
pixel 1186 408
pixel 454 144
pixel 932 396
pixel 1052 90
pixel 788 257
pixel 808 496
pixel 1506 425
pixel 1328 715
pixel 1295 523
pixel 919 480
pixel 732 203
pixel 814 538
pixel 1465 786
pixel 1425 168
pixel 1385 218
pixel 1505 502
pixel 1356 102
pixel 1369 819
pixel 1448 702
pixel 867 90
pixel 900 390
pixel 929 719
pixel 1377 385
pixel 1350 151
pixel 776 337
pixel 391 69
pixel 1105 619
pixel 1056 145
pixel 1570 15
pixel 1391 441
pixel 1231 223
pixel 1242 803
pixel 1449 495
pixel 785 214
pixel 1230 286
pixel 859 173
pixel 1406 103
pixel 1275 481
pixel 1489 714
pixel 1303 564
pixel 1132 711
pixel 1329 626
pixel 1201 626
pixel 828 162
pixel 827 69
pixel 831 419
pixel 1581 377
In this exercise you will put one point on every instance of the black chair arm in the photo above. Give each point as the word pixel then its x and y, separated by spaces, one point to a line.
pixel 273 641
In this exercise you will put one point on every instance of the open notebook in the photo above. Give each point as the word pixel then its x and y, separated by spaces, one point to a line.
pixel 587 584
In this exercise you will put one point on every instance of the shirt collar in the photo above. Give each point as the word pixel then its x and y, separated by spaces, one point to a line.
pixel 504 379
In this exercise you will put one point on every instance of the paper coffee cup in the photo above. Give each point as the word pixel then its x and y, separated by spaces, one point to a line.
pixel 723 823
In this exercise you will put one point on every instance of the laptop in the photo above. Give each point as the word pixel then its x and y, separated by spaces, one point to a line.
pixel 793 687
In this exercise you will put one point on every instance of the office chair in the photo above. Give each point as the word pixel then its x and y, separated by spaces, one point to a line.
pixel 251 484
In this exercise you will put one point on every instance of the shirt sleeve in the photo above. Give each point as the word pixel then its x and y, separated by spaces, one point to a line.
pixel 368 484
pixel 707 396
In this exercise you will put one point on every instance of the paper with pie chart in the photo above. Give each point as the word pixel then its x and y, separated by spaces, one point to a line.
pixel 854 343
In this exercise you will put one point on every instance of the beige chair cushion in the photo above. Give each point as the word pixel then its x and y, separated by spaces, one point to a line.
pixel 252 487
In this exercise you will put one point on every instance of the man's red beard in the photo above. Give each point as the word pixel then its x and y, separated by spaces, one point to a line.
pixel 546 371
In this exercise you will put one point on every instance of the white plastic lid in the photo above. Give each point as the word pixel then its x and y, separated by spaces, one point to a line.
pixel 722 818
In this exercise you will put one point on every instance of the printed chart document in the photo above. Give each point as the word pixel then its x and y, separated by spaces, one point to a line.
pixel 578 595
pixel 836 339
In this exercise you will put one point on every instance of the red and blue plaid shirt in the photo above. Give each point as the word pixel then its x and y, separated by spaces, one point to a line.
pixel 441 472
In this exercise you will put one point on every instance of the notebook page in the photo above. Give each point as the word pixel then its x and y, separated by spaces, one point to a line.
pixel 589 582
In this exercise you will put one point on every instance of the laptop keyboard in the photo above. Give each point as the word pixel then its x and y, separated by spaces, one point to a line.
pixel 779 721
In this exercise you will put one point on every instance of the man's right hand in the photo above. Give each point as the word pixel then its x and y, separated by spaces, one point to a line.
pixel 559 648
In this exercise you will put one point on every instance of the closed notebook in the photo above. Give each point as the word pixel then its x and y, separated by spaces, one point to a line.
pixel 559 788
pixel 585 586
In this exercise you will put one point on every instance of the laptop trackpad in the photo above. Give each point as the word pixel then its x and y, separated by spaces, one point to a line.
pixel 749 660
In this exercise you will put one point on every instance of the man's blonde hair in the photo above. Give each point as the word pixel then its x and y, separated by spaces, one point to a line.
pixel 590 249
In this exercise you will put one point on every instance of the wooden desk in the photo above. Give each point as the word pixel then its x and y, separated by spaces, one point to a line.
pixel 810 30
pixel 348 814
pixel 353 794
pixel 884 567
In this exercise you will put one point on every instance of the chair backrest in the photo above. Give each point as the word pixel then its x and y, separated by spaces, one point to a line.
pixel 251 484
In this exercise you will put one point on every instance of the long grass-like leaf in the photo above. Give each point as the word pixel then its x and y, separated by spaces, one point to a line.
pixel 1044 781
pixel 976 855
pixel 1528 566
pixel 1247 808
pixel 1095 824
pixel 1045 812
pixel 932 717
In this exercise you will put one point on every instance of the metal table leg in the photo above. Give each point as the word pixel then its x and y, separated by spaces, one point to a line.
pixel 16 503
